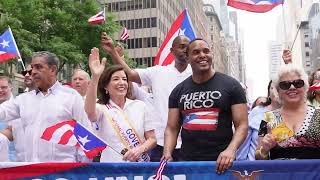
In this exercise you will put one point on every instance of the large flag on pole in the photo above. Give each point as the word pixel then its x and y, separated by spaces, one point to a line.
pixel 71 133
pixel 181 26
pixel 99 17
pixel 258 6
pixel 8 46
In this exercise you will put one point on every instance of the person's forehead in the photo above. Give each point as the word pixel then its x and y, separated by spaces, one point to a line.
pixel 198 44
pixel 38 60
pixel 289 76
pixel 4 82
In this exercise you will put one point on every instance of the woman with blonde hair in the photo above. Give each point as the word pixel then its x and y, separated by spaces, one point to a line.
pixel 293 130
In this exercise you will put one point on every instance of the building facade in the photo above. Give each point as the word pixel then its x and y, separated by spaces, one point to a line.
pixel 216 41
pixel 275 52
pixel 148 22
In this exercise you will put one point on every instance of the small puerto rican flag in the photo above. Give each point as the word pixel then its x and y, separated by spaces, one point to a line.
pixel 125 35
pixel 201 119
pixel 315 87
pixel 99 17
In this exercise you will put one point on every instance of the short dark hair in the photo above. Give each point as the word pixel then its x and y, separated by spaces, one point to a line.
pixel 105 80
pixel 196 39
pixel 50 58
pixel 176 39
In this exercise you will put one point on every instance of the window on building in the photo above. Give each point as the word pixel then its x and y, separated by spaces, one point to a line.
pixel 136 23
pixel 307 54
pixel 154 42
pixel 306 44
pixel 153 3
pixel 123 6
pixel 154 22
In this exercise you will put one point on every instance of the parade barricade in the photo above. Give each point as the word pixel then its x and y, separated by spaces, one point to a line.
pixel 263 170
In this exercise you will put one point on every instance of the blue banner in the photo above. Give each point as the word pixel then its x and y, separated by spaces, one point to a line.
pixel 260 170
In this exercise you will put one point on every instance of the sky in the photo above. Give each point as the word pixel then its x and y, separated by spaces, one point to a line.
pixel 258 29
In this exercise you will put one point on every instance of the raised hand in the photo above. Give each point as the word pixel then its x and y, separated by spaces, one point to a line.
pixel 96 67
pixel 120 49
pixel 106 43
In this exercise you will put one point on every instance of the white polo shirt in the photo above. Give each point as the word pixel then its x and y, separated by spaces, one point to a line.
pixel 163 79
pixel 38 112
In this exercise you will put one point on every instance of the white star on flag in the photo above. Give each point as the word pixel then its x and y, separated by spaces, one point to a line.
pixel 5 43
pixel 83 140
pixel 181 32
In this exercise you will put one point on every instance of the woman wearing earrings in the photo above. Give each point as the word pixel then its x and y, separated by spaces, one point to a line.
pixel 292 131
pixel 124 124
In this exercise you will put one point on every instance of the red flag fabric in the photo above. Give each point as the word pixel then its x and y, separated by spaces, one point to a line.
pixel 71 133
pixel 315 87
pixel 99 17
pixel 258 6
pixel 181 26
pixel 8 46
pixel 125 34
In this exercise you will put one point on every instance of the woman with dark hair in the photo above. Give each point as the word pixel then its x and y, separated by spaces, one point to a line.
pixel 259 101
pixel 248 148
pixel 314 96
pixel 125 124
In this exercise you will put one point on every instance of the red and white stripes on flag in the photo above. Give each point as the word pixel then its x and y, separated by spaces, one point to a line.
pixel 162 165
pixel 61 133
pixel 99 17
pixel 315 87
pixel 124 35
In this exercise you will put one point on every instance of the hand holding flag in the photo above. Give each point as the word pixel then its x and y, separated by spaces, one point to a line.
pixel 72 133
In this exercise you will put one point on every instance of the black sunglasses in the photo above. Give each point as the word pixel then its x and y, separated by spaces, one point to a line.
pixel 285 85
pixel 25 72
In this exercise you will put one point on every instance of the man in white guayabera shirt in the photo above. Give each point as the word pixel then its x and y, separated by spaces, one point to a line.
pixel 162 80
pixel 49 104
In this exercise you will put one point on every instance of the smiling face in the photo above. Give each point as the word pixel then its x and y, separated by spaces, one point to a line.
pixel 200 56
pixel 296 93
pixel 118 85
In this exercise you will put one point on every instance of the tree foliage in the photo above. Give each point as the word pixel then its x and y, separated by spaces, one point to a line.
pixel 58 26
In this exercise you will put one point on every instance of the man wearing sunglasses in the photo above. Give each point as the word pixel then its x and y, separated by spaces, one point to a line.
pixel 15 132
pixel 49 104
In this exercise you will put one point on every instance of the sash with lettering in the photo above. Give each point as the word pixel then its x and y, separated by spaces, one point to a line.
pixel 124 129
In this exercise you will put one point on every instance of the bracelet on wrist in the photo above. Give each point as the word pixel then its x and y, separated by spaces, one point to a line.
pixel 263 155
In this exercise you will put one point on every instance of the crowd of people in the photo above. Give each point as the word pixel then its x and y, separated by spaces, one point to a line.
pixel 193 113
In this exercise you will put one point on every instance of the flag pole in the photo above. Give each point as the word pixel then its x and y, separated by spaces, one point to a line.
pixel 15 45
pixel 286 41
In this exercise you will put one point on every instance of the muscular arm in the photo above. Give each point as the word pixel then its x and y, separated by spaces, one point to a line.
pixel 107 46
pixel 240 121
pixel 171 133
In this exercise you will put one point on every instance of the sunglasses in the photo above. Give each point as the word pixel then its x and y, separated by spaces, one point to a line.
pixel 285 85
pixel 25 72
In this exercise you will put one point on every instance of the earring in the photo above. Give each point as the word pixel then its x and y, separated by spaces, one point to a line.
pixel 107 92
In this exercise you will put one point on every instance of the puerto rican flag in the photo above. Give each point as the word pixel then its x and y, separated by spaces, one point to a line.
pixel 8 46
pixel 99 17
pixel 124 35
pixel 201 119
pixel 71 133
pixel 258 6
pixel 315 87
pixel 181 26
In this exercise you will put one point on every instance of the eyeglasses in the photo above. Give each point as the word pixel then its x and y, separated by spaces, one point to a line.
pixel 25 72
pixel 285 85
